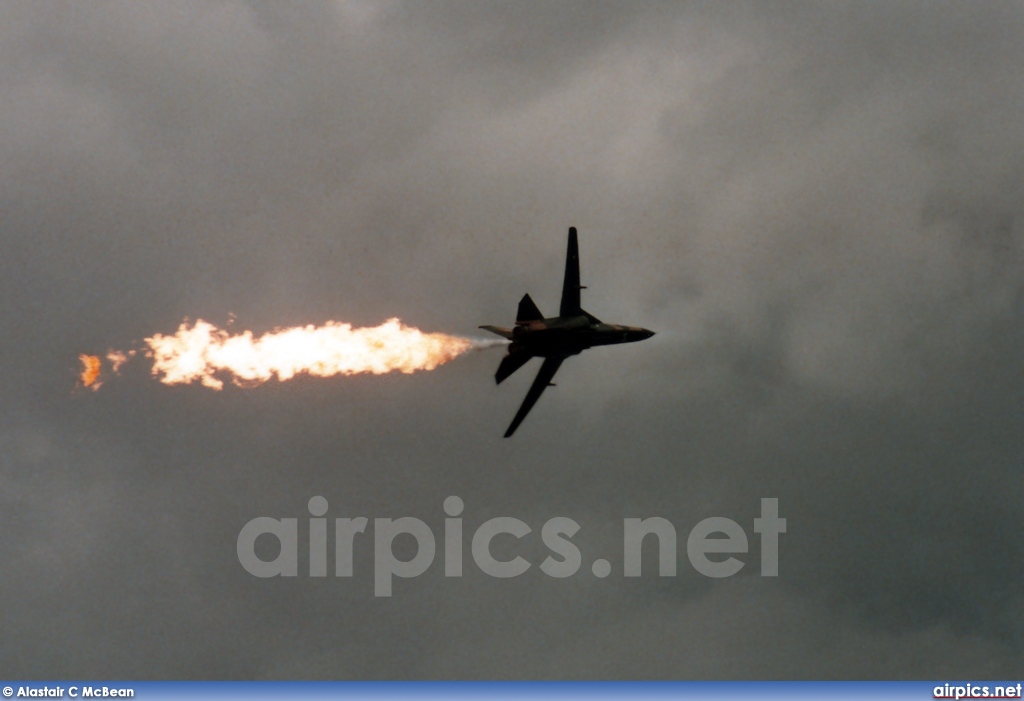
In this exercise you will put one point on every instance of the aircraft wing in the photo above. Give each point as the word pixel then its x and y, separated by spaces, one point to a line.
pixel 544 377
pixel 571 284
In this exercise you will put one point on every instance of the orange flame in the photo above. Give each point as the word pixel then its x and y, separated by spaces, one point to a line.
pixel 206 354
pixel 201 352
pixel 119 358
pixel 90 371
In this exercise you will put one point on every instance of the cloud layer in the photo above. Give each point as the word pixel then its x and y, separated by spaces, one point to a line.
pixel 818 209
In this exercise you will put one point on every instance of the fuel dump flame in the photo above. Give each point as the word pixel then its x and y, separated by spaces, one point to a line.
pixel 205 354
pixel 90 371
pixel 197 353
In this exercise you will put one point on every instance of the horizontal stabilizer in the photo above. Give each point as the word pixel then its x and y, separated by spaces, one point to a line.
pixel 503 332
pixel 509 364
pixel 528 311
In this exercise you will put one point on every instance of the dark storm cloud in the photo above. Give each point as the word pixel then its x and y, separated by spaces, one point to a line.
pixel 818 209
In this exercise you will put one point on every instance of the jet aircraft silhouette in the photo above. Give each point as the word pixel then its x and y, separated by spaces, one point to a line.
pixel 556 338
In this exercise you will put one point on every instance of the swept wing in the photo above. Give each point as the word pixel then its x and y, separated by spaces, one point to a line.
pixel 543 379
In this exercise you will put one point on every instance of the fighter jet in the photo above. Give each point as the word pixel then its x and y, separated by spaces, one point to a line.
pixel 556 338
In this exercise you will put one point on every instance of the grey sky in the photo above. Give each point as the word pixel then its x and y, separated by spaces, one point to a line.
pixel 818 207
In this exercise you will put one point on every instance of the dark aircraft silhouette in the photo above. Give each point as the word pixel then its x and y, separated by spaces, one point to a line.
pixel 558 337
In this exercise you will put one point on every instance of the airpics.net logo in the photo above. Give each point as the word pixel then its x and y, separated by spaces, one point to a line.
pixel 565 559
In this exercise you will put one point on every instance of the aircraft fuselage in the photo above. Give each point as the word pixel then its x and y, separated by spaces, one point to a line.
pixel 571 335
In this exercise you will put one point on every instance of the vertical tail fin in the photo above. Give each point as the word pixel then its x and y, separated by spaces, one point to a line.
pixel 571 283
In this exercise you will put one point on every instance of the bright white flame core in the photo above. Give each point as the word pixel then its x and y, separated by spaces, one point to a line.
pixel 201 352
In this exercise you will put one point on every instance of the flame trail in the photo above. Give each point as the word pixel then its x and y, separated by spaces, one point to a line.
pixel 90 371
pixel 119 358
pixel 205 354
